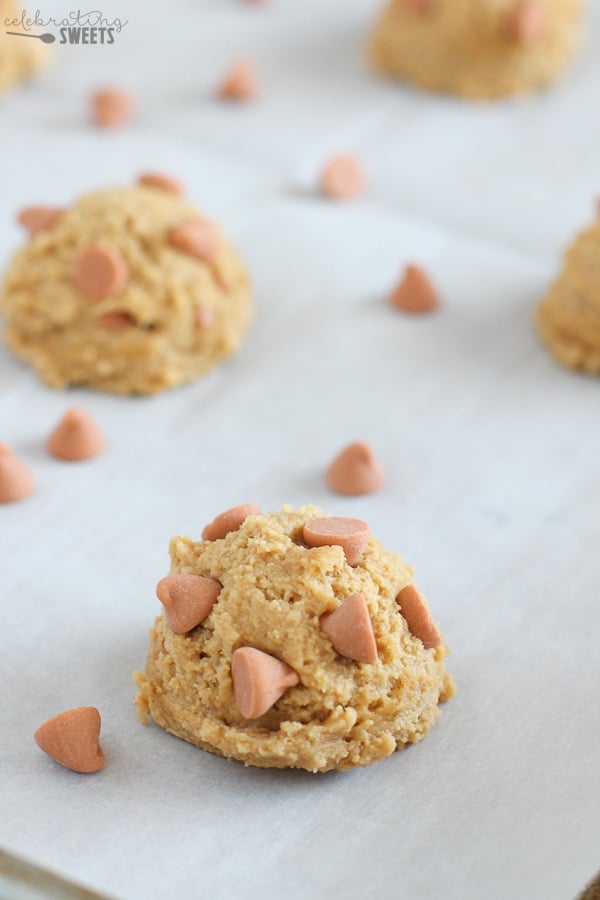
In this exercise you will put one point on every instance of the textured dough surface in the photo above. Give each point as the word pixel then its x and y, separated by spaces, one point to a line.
pixel 52 326
pixel 19 57
pixel 275 589
pixel 569 316
pixel 465 47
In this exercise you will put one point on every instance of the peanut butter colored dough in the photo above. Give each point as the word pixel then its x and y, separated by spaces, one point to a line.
pixel 20 57
pixel 275 589
pixel 476 48
pixel 569 316
pixel 104 298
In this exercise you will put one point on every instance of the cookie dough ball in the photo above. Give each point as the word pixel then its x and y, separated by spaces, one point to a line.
pixel 480 49
pixel 569 316
pixel 292 640
pixel 20 57
pixel 128 291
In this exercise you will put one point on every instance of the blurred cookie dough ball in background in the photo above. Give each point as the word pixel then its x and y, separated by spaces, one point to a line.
pixel 479 49
pixel 129 290
pixel 568 317
pixel 20 56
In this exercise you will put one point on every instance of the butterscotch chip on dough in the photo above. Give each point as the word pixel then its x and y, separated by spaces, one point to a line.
pixel 300 659
pixel 100 272
pixel 568 317
pixel 350 630
pixel 129 291
pixel 38 218
pixel 187 600
pixel 200 239
pixel 259 680
pixel 161 182
pixel 415 610
pixel 479 49
pixel 20 57
pixel 227 521
pixel 116 321
pixel 335 531
pixel 527 22
pixel 204 318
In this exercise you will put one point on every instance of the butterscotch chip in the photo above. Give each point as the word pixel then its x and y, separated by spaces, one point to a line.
pixel 161 182
pixel 415 293
pixel 198 238
pixel 71 739
pixel 418 617
pixel 16 479
pixel 39 218
pixel 350 630
pixel 239 83
pixel 351 535
pixel 259 680
pixel 418 6
pixel 303 661
pixel 342 178
pixel 100 272
pixel 204 318
pixel 108 301
pixel 356 471
pixel 227 521
pixel 526 23
pixel 116 321
pixel 112 107
pixel 479 49
pixel 76 437
pixel 187 599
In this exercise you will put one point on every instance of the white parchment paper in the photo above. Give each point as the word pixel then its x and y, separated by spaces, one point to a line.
pixel 491 450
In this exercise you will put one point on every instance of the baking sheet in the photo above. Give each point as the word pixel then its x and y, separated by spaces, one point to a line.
pixel 491 451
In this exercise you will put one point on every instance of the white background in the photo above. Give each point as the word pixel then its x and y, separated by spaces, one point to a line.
pixel 491 450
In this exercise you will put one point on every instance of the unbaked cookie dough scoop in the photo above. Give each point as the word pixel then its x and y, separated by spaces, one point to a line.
pixel 129 290
pixel 568 317
pixel 21 55
pixel 292 639
pixel 479 49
